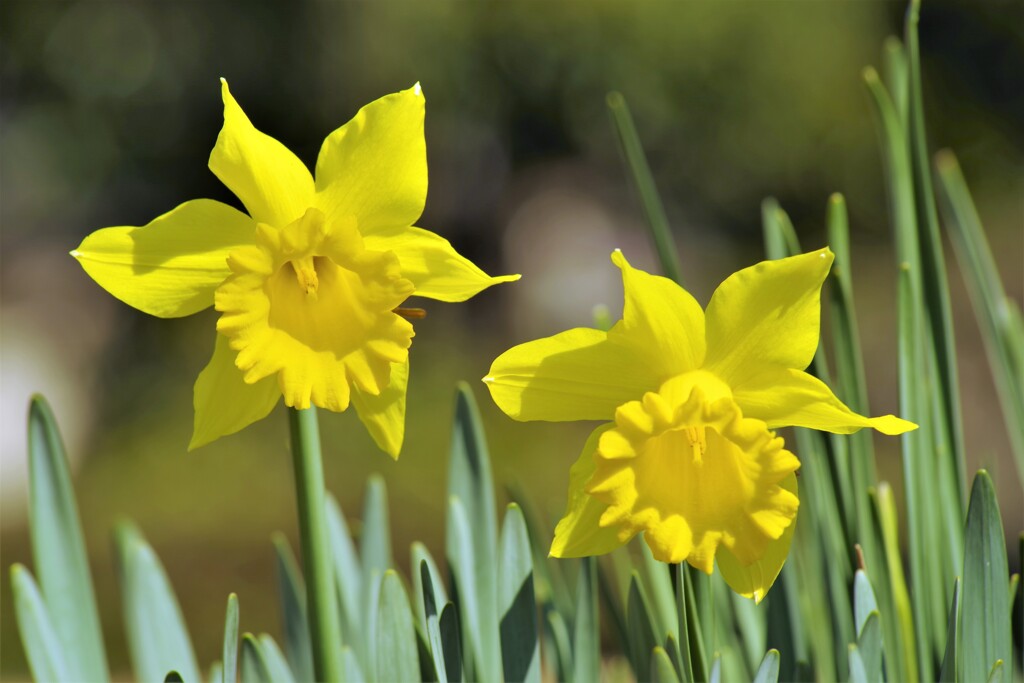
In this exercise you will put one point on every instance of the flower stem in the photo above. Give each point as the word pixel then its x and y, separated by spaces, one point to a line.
pixel 324 626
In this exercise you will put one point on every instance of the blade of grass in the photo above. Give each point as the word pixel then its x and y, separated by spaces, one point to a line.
pixel 58 549
pixel 469 480
pixel 157 638
pixel 520 648
pixel 292 596
pixel 640 172
pixel 229 669
pixel 997 315
pixel 397 656
pixel 38 636
pixel 986 613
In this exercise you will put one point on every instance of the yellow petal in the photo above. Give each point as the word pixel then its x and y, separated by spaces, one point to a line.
pixel 767 314
pixel 384 415
pixel 579 374
pixel 687 469
pixel 784 397
pixel 171 266
pixel 579 533
pixel 753 580
pixel 374 168
pixel 435 268
pixel 312 305
pixel 274 185
pixel 224 403
pixel 661 320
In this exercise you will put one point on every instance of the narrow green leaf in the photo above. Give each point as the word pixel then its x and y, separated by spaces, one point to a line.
pixel 157 638
pixel 277 665
pixel 885 519
pixel 986 615
pixel 348 577
pixel 657 581
pixel 643 181
pixel 431 618
pixel 785 629
pixel 662 670
pixel 640 628
pixel 43 648
pixel 229 669
pixel 586 650
pixel 520 647
pixel 292 593
pixel 869 645
pixel 470 481
pixel 427 584
pixel 216 673
pixel 557 640
pixel 375 538
pixel 549 578
pixel 716 670
pixel 951 659
pixel 173 677
pixel 58 549
pixel 254 666
pixel 998 316
pixel 691 642
pixel 751 627
pixel 451 641
pixel 896 73
pixel 863 599
pixel 996 674
pixel 397 658
pixel 350 669
pixel 768 672
pixel 858 673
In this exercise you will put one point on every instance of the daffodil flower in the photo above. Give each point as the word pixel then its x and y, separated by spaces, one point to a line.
pixel 687 456
pixel 307 282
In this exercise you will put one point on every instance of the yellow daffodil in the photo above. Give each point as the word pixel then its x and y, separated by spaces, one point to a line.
pixel 307 282
pixel 688 457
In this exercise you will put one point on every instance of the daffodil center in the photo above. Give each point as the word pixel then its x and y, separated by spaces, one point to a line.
pixel 305 271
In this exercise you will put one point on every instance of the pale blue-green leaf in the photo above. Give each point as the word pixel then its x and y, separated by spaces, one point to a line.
pixel 951 658
pixel 58 549
pixel 586 646
pixel 420 555
pixel 397 658
pixel 469 480
pixel 461 564
pixel 375 537
pixel 869 645
pixel 662 670
pixel 38 637
pixel 657 583
pixel 986 612
pixel 229 651
pixel 277 665
pixel 858 674
pixel 640 625
pixel 561 644
pixel 517 605
pixel 715 675
pixel 348 575
pixel 863 599
pixel 216 674
pixel 253 667
pixel 427 594
pixel 691 644
pixel 996 674
pixel 768 672
pixel 291 591
pixel 157 638
pixel 350 668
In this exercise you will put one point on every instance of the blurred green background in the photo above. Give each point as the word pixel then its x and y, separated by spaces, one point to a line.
pixel 108 114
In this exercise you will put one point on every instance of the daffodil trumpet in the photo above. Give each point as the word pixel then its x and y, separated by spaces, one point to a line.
pixel 690 398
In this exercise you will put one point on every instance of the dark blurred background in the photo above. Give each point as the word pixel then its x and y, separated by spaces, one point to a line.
pixel 108 114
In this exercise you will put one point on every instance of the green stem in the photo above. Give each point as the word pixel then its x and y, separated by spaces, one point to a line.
pixel 324 626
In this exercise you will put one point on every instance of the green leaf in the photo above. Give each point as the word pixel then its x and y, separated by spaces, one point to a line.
pixel 427 594
pixel 157 638
pixel 229 669
pixel 277 667
pixel 427 584
pixel 768 672
pixel 863 599
pixel 888 528
pixel 662 670
pixel 350 668
pixel 254 666
pixel 348 576
pixel 451 642
pixel 643 181
pixel 520 647
pixel 173 677
pixel 951 658
pixel 586 631
pixel 58 549
pixel 216 673
pixel 858 673
pixel 39 639
pixel 558 642
pixel 869 645
pixel 474 572
pixel 658 585
pixel 986 624
pixel 292 594
pixel 998 316
pixel 691 642
pixel 397 658
pixel 996 674
pixel 640 629
pixel 375 538
pixel 716 670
